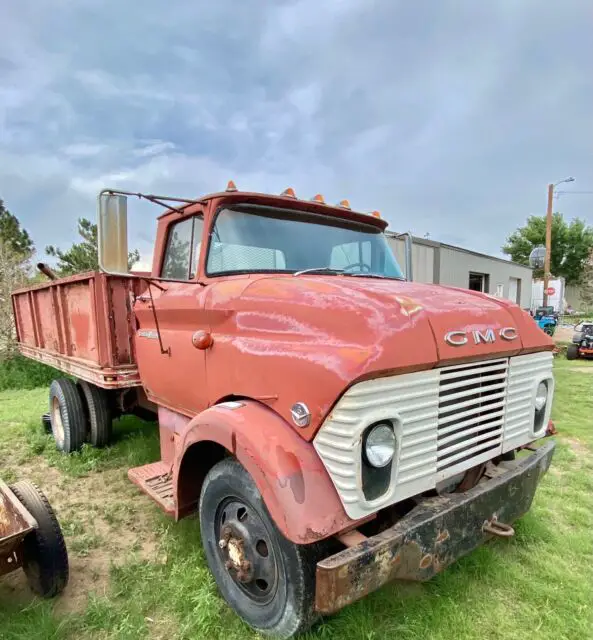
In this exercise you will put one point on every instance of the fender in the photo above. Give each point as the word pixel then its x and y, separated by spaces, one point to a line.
pixel 291 478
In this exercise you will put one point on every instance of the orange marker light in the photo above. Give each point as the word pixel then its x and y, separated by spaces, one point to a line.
pixel 318 198
pixel 376 214
pixel 231 186
pixel 289 193
pixel 344 204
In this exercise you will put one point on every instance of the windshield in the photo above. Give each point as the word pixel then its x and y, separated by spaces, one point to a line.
pixel 272 240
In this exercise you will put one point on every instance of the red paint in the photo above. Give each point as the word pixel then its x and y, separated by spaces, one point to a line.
pixel 270 340
pixel 287 471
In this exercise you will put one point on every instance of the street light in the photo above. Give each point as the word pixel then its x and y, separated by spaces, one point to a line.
pixel 551 188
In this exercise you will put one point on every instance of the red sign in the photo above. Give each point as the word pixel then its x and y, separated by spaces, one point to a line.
pixel 550 291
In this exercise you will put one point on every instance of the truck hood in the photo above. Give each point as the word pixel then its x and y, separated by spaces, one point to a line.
pixel 307 338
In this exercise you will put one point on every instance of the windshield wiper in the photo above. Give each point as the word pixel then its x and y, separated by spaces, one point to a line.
pixel 328 270
pixel 373 275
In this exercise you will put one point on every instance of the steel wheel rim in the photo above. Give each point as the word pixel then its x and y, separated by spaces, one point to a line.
pixel 242 535
pixel 57 425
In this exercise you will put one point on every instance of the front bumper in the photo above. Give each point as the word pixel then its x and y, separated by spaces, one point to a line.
pixel 432 536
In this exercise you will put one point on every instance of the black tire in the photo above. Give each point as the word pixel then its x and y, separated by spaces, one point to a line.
pixel 98 413
pixel 572 352
pixel 68 418
pixel 45 558
pixel 288 607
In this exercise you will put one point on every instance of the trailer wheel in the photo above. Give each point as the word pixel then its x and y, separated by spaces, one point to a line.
pixel 45 558
pixel 68 419
pixel 572 352
pixel 267 580
pixel 99 413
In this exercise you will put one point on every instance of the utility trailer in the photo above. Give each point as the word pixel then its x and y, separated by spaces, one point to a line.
pixel 31 539
pixel 334 424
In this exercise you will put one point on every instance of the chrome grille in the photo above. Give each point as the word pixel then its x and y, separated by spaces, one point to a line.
pixel 471 414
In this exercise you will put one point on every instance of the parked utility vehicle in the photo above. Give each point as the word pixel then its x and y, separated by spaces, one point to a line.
pixel 582 342
pixel 335 426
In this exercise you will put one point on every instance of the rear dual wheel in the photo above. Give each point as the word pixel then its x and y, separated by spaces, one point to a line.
pixel 78 413
pixel 268 580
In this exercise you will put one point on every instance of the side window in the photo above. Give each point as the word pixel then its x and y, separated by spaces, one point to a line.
pixel 352 253
pixel 182 250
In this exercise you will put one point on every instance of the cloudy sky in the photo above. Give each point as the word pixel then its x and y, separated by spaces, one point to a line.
pixel 448 116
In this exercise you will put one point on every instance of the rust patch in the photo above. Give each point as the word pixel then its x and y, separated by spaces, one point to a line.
pixel 426 561
pixel 293 474
pixel 442 537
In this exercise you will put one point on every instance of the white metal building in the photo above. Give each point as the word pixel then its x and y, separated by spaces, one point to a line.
pixel 439 263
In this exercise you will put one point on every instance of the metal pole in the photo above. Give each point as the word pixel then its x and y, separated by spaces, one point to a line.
pixel 548 243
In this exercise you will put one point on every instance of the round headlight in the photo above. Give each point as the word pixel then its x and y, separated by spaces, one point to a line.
pixel 541 396
pixel 379 445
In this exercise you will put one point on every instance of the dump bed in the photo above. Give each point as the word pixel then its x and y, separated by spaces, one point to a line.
pixel 82 325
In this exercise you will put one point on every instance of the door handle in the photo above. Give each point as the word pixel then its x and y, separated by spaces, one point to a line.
pixel 143 298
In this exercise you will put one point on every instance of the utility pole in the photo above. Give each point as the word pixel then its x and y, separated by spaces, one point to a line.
pixel 548 243
pixel 549 237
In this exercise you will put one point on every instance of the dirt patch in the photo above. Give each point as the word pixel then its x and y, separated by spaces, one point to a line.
pixel 581 369
pixel 563 334
pixel 580 448
pixel 106 522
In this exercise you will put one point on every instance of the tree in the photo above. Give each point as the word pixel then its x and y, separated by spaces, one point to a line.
pixel 587 281
pixel 83 256
pixel 571 244
pixel 13 235
pixel 16 248
pixel 13 274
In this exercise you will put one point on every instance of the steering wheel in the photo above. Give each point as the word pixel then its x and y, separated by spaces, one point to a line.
pixel 364 267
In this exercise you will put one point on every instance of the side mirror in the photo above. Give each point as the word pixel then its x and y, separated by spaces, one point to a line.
pixel 112 223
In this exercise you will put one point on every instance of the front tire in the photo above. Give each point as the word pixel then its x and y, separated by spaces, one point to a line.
pixel 572 352
pixel 267 580
pixel 45 559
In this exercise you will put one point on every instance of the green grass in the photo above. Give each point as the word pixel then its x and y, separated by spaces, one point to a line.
pixel 537 585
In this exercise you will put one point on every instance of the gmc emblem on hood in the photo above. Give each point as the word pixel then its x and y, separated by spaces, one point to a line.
pixel 459 338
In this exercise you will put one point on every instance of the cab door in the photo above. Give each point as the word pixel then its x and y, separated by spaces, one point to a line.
pixel 169 314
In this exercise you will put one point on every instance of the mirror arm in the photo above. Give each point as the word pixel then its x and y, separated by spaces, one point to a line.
pixel 408 242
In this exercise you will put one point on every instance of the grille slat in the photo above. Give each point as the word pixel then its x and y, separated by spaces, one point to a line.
pixel 467 423
pixel 471 414
pixel 497 422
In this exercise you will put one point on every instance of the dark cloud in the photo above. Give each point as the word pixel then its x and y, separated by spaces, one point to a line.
pixel 450 117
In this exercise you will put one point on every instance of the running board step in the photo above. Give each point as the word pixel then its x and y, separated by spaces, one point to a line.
pixel 156 481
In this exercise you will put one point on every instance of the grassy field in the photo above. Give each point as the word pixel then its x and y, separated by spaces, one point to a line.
pixel 137 575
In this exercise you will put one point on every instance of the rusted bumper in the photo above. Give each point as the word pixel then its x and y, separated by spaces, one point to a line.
pixel 432 536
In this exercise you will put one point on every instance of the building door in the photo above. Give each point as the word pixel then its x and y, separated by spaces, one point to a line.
pixel 478 282
pixel 514 289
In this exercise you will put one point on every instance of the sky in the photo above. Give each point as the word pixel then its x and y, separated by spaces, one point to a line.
pixel 450 117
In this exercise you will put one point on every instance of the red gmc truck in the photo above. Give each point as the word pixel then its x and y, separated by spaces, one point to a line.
pixel 335 425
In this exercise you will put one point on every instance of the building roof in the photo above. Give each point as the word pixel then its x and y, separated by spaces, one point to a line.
pixel 432 243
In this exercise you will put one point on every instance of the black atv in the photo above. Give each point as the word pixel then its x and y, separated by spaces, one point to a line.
pixel 582 342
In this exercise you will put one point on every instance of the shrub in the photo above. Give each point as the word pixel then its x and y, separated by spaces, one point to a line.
pixel 18 372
